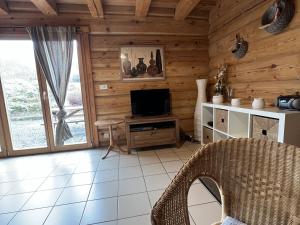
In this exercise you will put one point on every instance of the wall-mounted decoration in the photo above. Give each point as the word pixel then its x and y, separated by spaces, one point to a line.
pixel 142 63
pixel 278 16
pixel 240 48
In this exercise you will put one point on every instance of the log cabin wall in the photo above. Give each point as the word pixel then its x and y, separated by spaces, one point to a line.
pixel 272 65
pixel 186 59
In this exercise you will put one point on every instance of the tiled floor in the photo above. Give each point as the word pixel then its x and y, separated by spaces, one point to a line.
pixel 79 188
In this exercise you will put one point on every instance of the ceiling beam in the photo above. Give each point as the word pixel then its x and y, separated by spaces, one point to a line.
pixel 47 7
pixel 96 8
pixel 184 8
pixel 142 8
pixel 3 8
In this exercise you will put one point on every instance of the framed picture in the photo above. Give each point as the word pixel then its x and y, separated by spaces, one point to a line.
pixel 142 63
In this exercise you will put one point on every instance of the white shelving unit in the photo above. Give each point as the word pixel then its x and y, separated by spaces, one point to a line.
pixel 225 121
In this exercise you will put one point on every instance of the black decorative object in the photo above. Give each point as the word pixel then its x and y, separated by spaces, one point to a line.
pixel 278 16
pixel 141 66
pixel 158 61
pixel 152 69
pixel 134 72
pixel 241 47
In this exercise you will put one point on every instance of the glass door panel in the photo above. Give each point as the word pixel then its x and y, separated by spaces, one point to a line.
pixel 22 97
pixel 73 106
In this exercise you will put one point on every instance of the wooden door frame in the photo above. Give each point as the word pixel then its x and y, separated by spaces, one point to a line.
pixel 87 89
pixel 9 151
pixel 85 62
pixel 3 135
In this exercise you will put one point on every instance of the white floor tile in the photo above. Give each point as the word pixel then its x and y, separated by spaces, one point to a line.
pixel 153 169
pixel 104 190
pixel 5 218
pixel 126 162
pixel 154 196
pixel 26 186
pixel 74 194
pixel 149 159
pixel 100 211
pixel 173 166
pixel 132 186
pixel 41 199
pixel 133 205
pixel 13 203
pixel 130 172
pixel 32 217
pixel 81 179
pixel 198 194
pixel 156 182
pixel 106 175
pixel 108 164
pixel 65 214
pixel 55 182
pixel 139 220
pixel 166 157
pixel 206 214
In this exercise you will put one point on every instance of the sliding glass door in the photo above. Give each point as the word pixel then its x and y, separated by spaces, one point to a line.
pixel 74 106
pixel 28 114
pixel 21 95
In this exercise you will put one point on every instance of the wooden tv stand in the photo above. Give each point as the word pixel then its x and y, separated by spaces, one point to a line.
pixel 151 131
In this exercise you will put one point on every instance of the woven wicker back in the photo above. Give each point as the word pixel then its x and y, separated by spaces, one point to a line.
pixel 259 183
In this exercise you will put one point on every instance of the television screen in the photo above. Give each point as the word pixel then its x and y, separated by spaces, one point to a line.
pixel 153 102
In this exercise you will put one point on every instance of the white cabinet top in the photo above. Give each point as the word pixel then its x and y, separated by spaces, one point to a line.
pixel 273 112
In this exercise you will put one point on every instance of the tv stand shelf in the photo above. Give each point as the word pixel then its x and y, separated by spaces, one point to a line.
pixel 151 131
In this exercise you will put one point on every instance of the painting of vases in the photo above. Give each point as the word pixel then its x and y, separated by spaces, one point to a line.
pixel 142 63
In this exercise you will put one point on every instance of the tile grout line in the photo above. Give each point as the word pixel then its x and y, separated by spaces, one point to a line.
pixel 32 193
pixel 146 185
pixel 89 192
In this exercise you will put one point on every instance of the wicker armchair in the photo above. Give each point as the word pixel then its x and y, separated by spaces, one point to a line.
pixel 259 183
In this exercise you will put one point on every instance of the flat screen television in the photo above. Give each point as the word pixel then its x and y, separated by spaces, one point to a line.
pixel 154 102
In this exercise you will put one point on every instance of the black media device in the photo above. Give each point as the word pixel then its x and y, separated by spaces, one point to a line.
pixel 154 102
pixel 291 102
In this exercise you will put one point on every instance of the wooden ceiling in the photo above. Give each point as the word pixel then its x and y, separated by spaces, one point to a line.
pixel 176 9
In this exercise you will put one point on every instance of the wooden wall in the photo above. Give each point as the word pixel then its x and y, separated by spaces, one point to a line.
pixel 186 60
pixel 272 65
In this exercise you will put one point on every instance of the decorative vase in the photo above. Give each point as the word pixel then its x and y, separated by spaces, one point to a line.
pixel 141 66
pixel 158 61
pixel 152 69
pixel 236 102
pixel 126 65
pixel 217 99
pixel 201 84
pixel 258 103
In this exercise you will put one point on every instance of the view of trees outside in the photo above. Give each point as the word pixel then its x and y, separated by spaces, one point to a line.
pixel 23 100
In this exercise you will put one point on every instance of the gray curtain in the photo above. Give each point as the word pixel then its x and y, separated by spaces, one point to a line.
pixel 53 47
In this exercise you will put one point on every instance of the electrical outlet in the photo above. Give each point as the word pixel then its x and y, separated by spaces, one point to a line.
pixel 103 86
pixel 106 135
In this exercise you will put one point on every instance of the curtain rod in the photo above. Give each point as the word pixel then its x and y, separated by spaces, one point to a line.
pixel 78 28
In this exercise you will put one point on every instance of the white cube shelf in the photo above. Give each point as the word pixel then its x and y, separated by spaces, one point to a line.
pixel 245 122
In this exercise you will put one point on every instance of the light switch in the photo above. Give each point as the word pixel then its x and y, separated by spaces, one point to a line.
pixel 103 86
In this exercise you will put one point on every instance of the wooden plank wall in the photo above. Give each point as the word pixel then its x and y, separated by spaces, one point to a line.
pixel 186 60
pixel 272 65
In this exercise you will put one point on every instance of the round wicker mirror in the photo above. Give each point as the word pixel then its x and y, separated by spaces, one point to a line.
pixel 278 16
